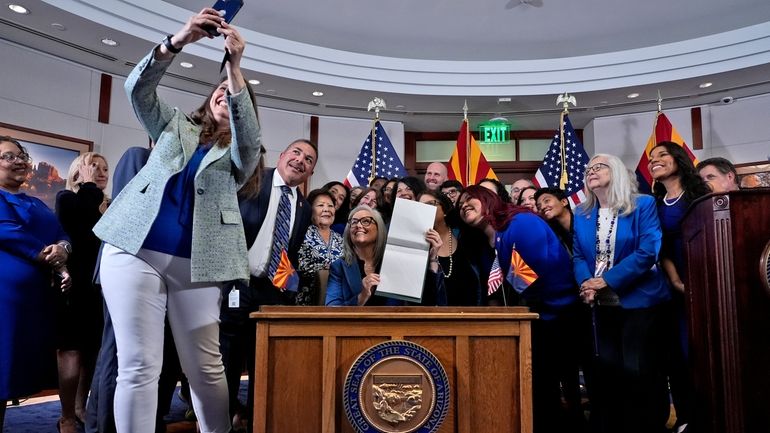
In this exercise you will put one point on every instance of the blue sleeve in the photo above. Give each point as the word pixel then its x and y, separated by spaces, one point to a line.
pixel 334 290
pixel 645 256
pixel 582 252
pixel 15 238
pixel 127 167
pixel 529 234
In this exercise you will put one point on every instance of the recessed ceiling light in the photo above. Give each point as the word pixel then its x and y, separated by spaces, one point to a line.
pixel 59 27
pixel 318 93
pixel 632 95
pixel 603 102
pixel 19 9
pixel 110 42
pixel 254 82
pixel 504 99
pixel 400 107
pixel 270 91
pixel 186 65
pixel 705 85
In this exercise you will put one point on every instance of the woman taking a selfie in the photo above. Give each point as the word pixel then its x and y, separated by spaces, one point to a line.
pixel 175 234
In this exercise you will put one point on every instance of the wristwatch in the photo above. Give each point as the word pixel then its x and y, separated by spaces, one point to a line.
pixel 170 46
pixel 67 246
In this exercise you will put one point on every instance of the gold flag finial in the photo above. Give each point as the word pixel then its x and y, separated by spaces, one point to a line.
pixel 465 109
pixel 564 100
pixel 660 102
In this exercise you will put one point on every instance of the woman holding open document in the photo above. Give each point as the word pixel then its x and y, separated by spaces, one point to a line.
pixel 353 279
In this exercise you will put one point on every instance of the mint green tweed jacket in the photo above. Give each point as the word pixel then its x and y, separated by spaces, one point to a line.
pixel 218 241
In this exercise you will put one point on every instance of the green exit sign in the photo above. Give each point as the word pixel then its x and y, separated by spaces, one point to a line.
pixel 494 132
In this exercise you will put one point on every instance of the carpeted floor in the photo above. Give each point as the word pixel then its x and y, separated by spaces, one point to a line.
pixel 40 415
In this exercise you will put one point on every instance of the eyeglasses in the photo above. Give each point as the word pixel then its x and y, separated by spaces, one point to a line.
pixel 365 221
pixel 451 192
pixel 11 157
pixel 596 167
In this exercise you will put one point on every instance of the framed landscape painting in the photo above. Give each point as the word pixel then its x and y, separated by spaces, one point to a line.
pixel 51 155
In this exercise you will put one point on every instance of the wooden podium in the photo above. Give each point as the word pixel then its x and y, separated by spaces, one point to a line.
pixel 729 311
pixel 303 355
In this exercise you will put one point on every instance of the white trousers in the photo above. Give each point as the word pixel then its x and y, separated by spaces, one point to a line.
pixel 139 290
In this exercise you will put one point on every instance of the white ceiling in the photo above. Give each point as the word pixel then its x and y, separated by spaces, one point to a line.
pixel 426 57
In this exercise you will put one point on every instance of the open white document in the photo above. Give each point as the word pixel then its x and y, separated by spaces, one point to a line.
pixel 406 253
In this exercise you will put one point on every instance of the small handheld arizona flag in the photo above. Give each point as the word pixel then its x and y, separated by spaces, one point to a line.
pixel 286 277
pixel 520 275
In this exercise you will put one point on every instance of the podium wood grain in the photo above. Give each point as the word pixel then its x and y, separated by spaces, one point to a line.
pixel 727 311
pixel 303 355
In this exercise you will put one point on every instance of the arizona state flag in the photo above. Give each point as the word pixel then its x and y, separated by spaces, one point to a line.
pixel 286 277
pixel 662 130
pixel 520 275
pixel 467 164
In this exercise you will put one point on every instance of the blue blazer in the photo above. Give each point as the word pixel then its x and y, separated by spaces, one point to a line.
pixel 634 275
pixel 541 249
pixel 345 284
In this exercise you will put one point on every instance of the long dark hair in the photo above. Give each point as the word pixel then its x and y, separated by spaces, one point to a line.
pixel 498 213
pixel 692 184
pixel 341 215
pixel 205 118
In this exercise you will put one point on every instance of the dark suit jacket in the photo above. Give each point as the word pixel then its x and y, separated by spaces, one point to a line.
pixel 253 213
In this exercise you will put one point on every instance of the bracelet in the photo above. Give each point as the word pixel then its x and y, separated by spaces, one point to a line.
pixel 170 46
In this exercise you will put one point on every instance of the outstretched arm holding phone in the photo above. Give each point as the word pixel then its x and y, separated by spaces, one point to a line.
pixel 195 29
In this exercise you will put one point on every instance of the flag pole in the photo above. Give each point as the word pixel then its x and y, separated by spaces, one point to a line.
pixel 377 104
pixel 467 145
pixel 564 100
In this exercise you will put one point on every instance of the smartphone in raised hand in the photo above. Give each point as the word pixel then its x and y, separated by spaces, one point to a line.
pixel 230 8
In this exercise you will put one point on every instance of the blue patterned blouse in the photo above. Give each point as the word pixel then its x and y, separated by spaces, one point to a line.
pixel 315 254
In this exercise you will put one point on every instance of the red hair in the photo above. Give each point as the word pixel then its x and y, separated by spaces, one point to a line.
pixel 497 213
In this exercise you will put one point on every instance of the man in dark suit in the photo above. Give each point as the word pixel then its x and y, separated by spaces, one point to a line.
pixel 259 210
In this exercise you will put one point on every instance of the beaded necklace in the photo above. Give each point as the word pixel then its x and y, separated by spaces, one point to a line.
pixel 604 255
pixel 451 262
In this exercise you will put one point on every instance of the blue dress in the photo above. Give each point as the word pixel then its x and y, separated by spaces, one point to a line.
pixel 27 337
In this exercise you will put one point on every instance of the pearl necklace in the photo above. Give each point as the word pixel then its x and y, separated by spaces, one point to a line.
pixel 451 262
pixel 666 199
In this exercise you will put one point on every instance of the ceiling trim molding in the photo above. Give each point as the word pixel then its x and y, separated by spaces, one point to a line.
pixel 718 53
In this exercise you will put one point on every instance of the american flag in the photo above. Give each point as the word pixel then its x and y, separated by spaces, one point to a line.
pixel 549 173
pixel 495 277
pixel 387 164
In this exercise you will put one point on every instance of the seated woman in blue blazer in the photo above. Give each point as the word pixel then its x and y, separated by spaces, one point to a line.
pixel 616 247
pixel 353 279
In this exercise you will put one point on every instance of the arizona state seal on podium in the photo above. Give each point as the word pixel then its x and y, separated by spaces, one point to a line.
pixel 396 387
